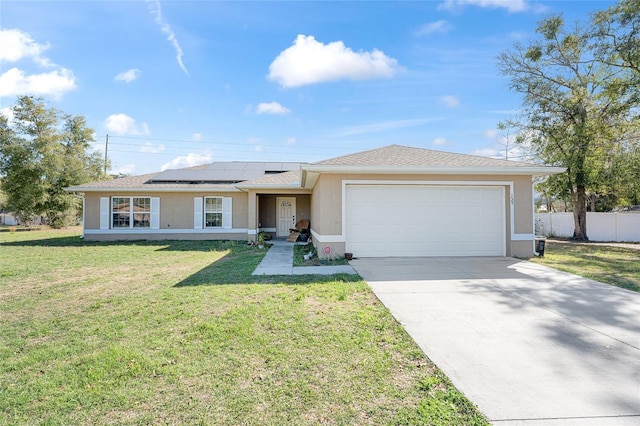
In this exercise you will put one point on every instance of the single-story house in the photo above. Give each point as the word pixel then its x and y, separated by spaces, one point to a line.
pixel 390 201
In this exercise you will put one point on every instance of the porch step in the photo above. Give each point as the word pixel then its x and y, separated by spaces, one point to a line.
pixel 293 237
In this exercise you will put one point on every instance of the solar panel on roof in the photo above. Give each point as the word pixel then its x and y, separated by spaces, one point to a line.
pixel 228 172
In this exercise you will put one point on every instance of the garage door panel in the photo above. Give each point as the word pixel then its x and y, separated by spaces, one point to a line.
pixel 395 220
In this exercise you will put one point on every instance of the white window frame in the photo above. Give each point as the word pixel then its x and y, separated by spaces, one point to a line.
pixel 219 211
pixel 131 213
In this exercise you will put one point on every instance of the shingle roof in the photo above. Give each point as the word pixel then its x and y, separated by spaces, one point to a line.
pixel 286 178
pixel 398 156
pixel 388 159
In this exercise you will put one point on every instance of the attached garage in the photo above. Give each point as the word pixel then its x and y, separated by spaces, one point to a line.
pixel 424 220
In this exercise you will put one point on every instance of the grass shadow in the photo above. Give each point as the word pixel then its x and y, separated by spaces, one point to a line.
pixel 162 245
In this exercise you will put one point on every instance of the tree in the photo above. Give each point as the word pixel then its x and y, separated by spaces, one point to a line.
pixel 42 152
pixel 578 110
pixel 617 35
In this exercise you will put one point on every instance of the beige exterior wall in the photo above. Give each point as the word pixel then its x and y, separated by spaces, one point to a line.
pixel 176 209
pixel 131 236
pixel 322 206
pixel 326 207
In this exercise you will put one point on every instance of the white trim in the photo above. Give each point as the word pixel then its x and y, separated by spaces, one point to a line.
pixel 252 232
pixel 151 188
pixel 327 238
pixel 293 185
pixel 523 237
pixel 129 231
pixel 84 211
pixel 131 211
pixel 267 229
pixel 213 211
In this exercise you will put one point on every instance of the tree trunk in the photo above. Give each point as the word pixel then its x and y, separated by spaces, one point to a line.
pixel 579 200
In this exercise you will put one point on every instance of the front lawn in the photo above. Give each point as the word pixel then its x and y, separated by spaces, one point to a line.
pixel 180 333
pixel 618 266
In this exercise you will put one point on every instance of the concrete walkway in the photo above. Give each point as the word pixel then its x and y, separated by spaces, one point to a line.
pixel 279 261
pixel 527 344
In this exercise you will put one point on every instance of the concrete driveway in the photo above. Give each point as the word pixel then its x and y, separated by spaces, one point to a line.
pixel 527 344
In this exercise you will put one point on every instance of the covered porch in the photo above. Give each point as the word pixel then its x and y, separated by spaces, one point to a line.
pixel 277 212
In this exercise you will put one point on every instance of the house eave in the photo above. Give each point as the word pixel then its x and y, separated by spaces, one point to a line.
pixel 247 187
pixel 311 172
pixel 144 189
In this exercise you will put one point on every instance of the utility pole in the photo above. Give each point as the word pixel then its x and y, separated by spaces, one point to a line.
pixel 106 150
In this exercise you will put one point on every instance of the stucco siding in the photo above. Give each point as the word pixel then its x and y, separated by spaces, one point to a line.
pixel 159 236
pixel 176 209
pixel 327 205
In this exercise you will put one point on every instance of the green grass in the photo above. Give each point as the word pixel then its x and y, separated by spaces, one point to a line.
pixel 300 250
pixel 617 266
pixel 180 333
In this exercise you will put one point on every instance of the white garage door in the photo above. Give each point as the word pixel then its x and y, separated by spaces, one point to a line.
pixel 417 220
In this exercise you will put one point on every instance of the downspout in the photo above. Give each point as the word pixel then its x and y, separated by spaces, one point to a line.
pixel 533 207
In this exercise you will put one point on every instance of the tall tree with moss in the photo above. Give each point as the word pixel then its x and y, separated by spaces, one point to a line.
pixel 43 151
pixel 578 110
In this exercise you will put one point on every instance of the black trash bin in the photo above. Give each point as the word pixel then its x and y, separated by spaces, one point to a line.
pixel 540 243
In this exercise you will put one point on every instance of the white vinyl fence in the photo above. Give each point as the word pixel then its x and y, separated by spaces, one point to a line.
pixel 600 226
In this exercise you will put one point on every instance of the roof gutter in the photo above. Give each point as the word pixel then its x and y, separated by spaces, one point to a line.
pixel 148 189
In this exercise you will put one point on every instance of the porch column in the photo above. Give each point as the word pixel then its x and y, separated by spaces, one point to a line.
pixel 252 222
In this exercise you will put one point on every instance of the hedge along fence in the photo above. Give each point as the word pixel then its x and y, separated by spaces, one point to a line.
pixel 600 226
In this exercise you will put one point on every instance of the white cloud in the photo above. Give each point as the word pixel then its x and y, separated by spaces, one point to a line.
pixel 16 45
pixel 290 141
pixel 188 160
pixel 254 140
pixel 308 61
pixel 150 148
pixel 382 126
pixel 510 5
pixel 440 141
pixel 450 101
pixel 491 152
pixel 8 113
pixel 196 136
pixel 258 148
pixel 122 124
pixel 156 11
pixel 271 108
pixel 491 133
pixel 54 83
pixel 127 169
pixel 129 75
pixel 441 26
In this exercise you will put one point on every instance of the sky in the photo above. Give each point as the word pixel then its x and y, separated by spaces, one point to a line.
pixel 180 83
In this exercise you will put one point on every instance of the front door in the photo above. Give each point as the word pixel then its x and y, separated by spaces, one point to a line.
pixel 286 207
